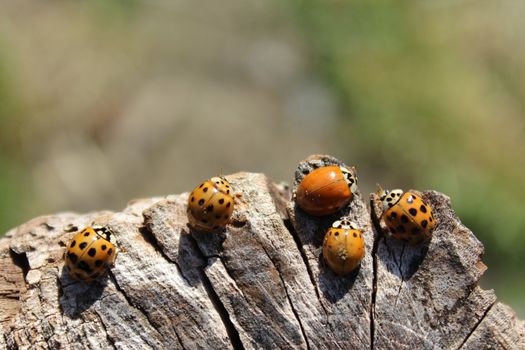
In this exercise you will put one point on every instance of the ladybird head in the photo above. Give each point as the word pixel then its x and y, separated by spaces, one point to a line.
pixel 345 224
pixel 389 197
pixel 222 184
pixel 103 232
pixel 350 178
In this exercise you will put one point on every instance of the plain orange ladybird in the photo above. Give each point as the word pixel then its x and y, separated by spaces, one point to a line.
pixel 326 190
pixel 343 246
pixel 90 253
pixel 407 216
pixel 210 205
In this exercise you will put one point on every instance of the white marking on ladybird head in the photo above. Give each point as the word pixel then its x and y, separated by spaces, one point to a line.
pixel 390 198
pixel 345 224
pixel 350 178
pixel 104 232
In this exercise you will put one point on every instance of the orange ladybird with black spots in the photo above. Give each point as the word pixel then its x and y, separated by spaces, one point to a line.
pixel 90 253
pixel 210 205
pixel 407 216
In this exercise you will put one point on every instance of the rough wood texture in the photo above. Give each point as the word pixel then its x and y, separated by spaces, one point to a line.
pixel 258 284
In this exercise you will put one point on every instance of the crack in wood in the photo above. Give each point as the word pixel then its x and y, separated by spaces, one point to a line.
pixel 138 308
pixel 377 237
pixel 477 324
pixel 150 238
pixel 108 337
pixel 288 296
pixel 233 333
pixel 289 226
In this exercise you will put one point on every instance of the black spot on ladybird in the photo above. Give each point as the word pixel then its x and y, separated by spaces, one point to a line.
pixel 393 216
pixel 400 229
pixel 73 244
pixel 202 184
pixel 82 245
pixel 98 263
pixel 355 235
pixel 389 199
pixel 229 204
pixel 415 230
pixel 110 251
pixel 86 234
pixel 412 211
pixel 424 223
pixel 201 201
pixel 430 219
pixel 227 191
pixel 404 218
pixel 209 208
pixel 84 266
pixel 73 257
pixel 92 252
pixel 221 201
pixel 205 189
pixel 104 247
pixel 192 199
pixel 423 208
pixel 336 234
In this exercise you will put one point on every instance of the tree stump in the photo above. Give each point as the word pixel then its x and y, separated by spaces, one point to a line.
pixel 260 283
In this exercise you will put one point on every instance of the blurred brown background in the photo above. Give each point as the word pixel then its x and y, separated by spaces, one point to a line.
pixel 105 101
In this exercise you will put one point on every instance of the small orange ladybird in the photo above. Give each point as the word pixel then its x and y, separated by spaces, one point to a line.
pixel 343 246
pixel 326 190
pixel 406 215
pixel 90 253
pixel 210 205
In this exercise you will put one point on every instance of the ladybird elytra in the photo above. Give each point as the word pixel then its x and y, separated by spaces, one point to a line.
pixel 407 217
pixel 326 190
pixel 90 253
pixel 343 246
pixel 210 205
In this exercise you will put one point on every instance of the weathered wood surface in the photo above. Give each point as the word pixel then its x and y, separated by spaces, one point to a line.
pixel 259 284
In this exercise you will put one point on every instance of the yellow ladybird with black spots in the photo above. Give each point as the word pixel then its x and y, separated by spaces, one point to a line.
pixel 90 253
pixel 343 246
pixel 210 205
pixel 407 216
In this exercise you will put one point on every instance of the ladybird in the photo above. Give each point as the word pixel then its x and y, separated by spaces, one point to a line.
pixel 343 246
pixel 210 205
pixel 326 190
pixel 90 253
pixel 407 216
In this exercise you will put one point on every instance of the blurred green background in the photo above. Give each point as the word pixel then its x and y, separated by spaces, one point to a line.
pixel 108 100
